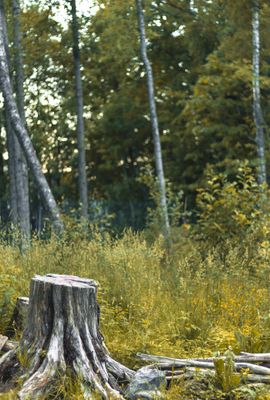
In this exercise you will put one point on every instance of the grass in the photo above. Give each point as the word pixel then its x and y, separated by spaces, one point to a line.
pixel 184 302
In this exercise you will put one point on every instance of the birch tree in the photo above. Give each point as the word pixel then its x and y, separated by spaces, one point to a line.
pixel 22 134
pixel 10 139
pixel 257 110
pixel 154 120
pixel 82 175
pixel 22 189
pixel 18 173
pixel 11 169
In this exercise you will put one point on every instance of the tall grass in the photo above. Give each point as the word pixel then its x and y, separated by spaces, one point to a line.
pixel 207 291
pixel 178 303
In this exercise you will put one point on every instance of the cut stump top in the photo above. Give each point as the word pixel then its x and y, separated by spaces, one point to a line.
pixel 66 280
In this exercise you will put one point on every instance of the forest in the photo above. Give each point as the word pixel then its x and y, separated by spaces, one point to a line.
pixel 135 167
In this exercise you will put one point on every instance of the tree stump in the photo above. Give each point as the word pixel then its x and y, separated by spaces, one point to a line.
pixel 61 335
pixel 3 341
pixel 19 317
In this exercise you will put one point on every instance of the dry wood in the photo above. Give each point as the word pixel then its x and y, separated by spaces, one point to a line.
pixel 61 334
pixel 243 357
pixel 260 370
pixel 259 356
pixel 9 345
pixel 175 365
pixel 3 341
pixel 176 368
pixel 19 317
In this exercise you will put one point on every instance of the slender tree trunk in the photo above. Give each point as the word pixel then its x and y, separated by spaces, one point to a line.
pixel 22 133
pixel 2 182
pixel 11 139
pixel 257 110
pixel 154 120
pixel 18 174
pixel 22 187
pixel 11 170
pixel 80 122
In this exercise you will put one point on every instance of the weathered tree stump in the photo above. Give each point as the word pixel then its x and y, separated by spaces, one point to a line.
pixel 62 334
pixel 3 341
pixel 19 318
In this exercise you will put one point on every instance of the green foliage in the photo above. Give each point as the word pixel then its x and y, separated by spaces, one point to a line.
pixel 231 209
pixel 8 396
pixel 226 376
pixel 8 282
pixel 175 203
pixel 201 59
pixel 154 301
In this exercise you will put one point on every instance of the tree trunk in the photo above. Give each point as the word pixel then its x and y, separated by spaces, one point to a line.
pixel 82 175
pixel 23 136
pixel 154 121
pixel 11 139
pixel 2 177
pixel 257 110
pixel 62 334
pixel 18 174
pixel 11 170
pixel 22 187
pixel 19 317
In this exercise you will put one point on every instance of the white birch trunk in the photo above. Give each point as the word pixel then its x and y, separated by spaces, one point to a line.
pixel 22 133
pixel 154 120
pixel 11 170
pixel 11 141
pixel 257 110
pixel 22 187
pixel 18 173
pixel 82 175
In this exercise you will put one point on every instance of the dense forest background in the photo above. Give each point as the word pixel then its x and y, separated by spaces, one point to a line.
pixel 201 55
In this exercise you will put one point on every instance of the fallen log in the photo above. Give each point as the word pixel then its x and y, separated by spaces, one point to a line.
pixel 176 368
pixel 243 357
pixel 256 354
pixel 257 369
pixel 62 334
pixel 256 357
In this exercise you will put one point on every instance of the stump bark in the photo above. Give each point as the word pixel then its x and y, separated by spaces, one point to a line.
pixel 62 334
pixel 3 341
pixel 19 317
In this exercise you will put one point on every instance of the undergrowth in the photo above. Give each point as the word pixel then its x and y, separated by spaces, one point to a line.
pixel 205 293
pixel 180 304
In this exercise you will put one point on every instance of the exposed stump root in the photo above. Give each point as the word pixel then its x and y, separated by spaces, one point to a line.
pixel 61 335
